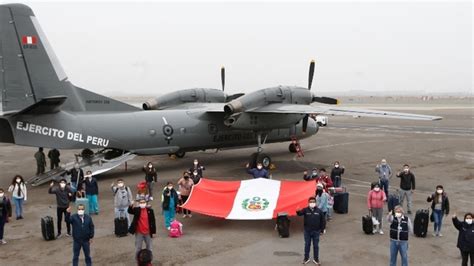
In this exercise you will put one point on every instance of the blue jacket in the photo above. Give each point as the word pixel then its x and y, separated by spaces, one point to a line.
pixel 82 231
pixel 314 219
pixel 91 186
pixel 258 173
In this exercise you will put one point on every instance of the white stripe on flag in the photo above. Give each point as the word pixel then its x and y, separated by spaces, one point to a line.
pixel 260 192
pixel 29 40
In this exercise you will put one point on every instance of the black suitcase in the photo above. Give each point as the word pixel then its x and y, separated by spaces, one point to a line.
pixel 367 224
pixel 283 225
pixel 420 226
pixel 121 226
pixel 341 202
pixel 47 228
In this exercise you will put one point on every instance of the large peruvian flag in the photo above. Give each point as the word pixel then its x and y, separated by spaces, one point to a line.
pixel 256 199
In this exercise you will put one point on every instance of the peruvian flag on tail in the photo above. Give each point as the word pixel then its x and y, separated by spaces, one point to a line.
pixel 29 40
pixel 255 199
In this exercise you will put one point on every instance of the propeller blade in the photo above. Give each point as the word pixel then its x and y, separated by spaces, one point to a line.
pixel 311 74
pixel 326 100
pixel 305 123
pixel 223 77
pixel 233 96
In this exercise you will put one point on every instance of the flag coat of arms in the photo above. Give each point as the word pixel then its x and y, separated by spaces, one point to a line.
pixel 255 199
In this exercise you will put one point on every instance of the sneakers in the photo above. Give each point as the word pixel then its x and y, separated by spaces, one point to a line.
pixel 151 198
pixel 316 262
pixel 440 235
pixel 374 231
pixel 306 261
pixel 168 228
pixel 3 242
pixel 381 232
pixel 59 236
pixel 409 212
pixel 184 216
pixel 190 215
pixel 68 235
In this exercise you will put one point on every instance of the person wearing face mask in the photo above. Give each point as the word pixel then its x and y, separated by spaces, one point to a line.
pixel 312 176
pixel 325 179
pixel 92 192
pixel 375 201
pixel 439 206
pixel 322 198
pixel 197 169
pixel 258 172
pixel 314 226
pixel 400 228
pixel 143 224
pixel 64 195
pixel 465 238
pixel 407 186
pixel 5 213
pixel 336 174
pixel 151 177
pixel 169 204
pixel 385 174
pixel 82 234
pixel 185 184
pixel 122 199
pixel 77 177
pixel 19 194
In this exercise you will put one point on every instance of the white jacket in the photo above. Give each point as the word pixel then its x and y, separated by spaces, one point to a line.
pixel 14 190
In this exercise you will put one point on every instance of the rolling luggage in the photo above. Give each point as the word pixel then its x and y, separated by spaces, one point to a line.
pixel 420 225
pixel 367 224
pixel 283 225
pixel 341 202
pixel 121 225
pixel 392 201
pixel 47 228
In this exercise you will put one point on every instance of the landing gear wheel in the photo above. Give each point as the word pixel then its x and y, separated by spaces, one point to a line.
pixel 292 148
pixel 180 154
pixel 264 159
pixel 253 160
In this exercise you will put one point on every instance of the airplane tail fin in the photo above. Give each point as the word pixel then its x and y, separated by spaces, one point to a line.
pixel 30 71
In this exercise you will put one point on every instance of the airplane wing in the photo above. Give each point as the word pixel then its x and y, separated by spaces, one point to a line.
pixel 278 108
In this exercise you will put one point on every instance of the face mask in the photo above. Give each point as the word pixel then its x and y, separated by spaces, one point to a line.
pixel 377 189
pixel 170 188
pixel 195 173
pixel 195 163
pixel 406 170
pixel 120 184
pixel 259 167
pixel 76 166
pixel 80 212
pixel 398 214
pixel 142 205
pixel 312 205
pixel 1 195
pixel 18 180
pixel 315 173
pixel 62 185
pixel 336 165
pixel 468 221
pixel 384 164
pixel 150 166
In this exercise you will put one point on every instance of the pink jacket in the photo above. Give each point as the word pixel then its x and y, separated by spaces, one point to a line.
pixel 376 199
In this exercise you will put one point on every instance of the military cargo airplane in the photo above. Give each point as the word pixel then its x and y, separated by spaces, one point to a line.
pixel 40 107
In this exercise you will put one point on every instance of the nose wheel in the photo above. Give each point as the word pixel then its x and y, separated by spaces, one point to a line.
pixel 260 157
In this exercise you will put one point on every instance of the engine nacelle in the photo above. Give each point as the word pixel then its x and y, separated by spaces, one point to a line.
pixel 196 95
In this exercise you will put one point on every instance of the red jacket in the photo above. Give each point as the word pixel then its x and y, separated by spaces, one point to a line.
pixel 376 199
pixel 326 180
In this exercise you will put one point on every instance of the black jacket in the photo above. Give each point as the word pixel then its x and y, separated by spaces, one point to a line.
pixel 150 174
pixel 314 219
pixel 407 180
pixel 91 186
pixel 75 174
pixel 336 172
pixel 444 203
pixel 166 199
pixel 5 208
pixel 82 231
pixel 136 216
pixel 63 196
pixel 466 235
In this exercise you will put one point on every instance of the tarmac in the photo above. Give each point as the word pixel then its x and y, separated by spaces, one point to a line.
pixel 439 152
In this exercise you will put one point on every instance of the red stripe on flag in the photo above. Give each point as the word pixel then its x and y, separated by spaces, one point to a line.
pixel 213 198
pixel 291 190
pixel 33 40
pixel 24 40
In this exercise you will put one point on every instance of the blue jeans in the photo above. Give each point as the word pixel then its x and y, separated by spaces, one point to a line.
pixel 314 237
pixel 398 246
pixel 384 186
pixel 18 206
pixel 93 204
pixel 337 181
pixel 76 249
pixel 438 220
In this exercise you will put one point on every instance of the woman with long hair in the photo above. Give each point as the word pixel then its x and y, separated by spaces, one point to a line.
pixel 19 195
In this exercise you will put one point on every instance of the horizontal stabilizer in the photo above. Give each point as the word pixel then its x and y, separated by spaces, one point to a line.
pixel 44 106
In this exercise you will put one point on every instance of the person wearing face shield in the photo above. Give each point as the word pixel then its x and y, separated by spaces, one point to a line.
pixel 169 204
pixel 185 184
pixel 439 206
pixel 312 176
pixel 5 213
pixel 19 194
pixel 375 201
pixel 385 174
pixel 122 199
pixel 151 177
pixel 314 226
pixel 196 170
pixel 258 172
pixel 82 235
pixel 465 238
pixel 336 174
pixel 407 186
pixel 143 224
pixel 64 195
pixel 92 192
pixel 400 228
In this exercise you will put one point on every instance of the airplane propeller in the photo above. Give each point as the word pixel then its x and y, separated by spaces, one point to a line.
pixel 229 97
pixel 223 77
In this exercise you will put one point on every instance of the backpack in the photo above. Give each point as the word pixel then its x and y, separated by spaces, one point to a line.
pixel 176 229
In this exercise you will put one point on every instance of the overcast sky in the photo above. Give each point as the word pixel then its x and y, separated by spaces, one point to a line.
pixel 150 48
